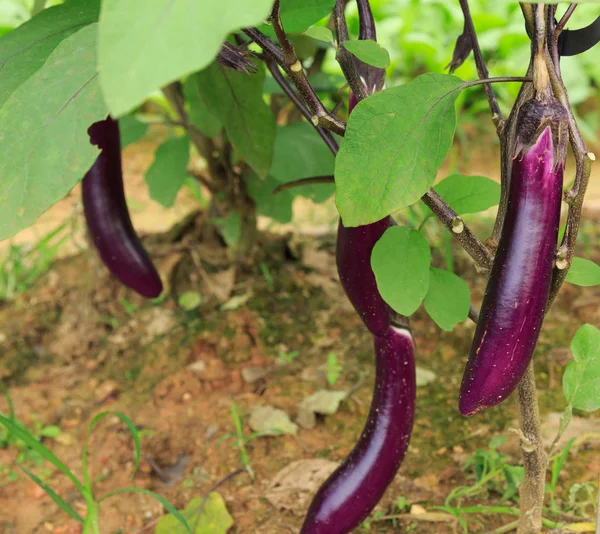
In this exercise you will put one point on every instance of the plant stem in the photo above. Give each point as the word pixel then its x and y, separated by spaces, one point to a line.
pixel 343 56
pixel 292 66
pixel 304 181
pixel 565 18
pixel 482 71
pixel 534 457
pixel 285 86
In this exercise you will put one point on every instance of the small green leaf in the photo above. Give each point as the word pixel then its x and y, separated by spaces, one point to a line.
pixel 581 381
pixel 189 300
pixel 236 99
pixel 37 168
pixel 66 507
pixel 469 194
pixel 168 171
pixel 200 115
pixel 131 130
pixel 140 50
pixel 50 431
pixel 448 298
pixel 320 33
pixel 395 142
pixel 400 261
pixel 369 52
pixel 278 207
pixel 204 517
pixel 583 272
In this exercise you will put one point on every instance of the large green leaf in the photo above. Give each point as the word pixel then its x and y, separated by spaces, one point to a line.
pixel 24 50
pixel 236 99
pixel 144 46
pixel 208 516
pixel 584 272
pixel 395 142
pixel 469 194
pixel 300 153
pixel 581 381
pixel 448 298
pixel 45 148
pixel 400 261
pixel 168 171
pixel 131 130
pixel 298 15
pixel 202 118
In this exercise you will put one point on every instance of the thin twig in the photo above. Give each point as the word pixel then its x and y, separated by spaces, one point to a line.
pixel 343 56
pixel 482 71
pixel 303 181
pixel 473 314
pixel 292 66
pixel 564 19
pixel 287 89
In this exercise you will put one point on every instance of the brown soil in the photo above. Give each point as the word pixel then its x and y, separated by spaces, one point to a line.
pixel 71 349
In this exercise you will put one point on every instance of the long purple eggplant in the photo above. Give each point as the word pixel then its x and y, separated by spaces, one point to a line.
pixel 353 257
pixel 107 216
pixel 352 491
pixel 513 306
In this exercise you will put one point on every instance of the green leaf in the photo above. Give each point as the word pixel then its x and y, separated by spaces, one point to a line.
pixel 212 518
pixel 583 272
pixel 581 381
pixel 236 99
pixel 469 194
pixel 369 52
pixel 395 143
pixel 448 298
pixel 168 171
pixel 320 33
pixel 66 507
pixel 400 261
pixel 189 300
pixel 300 153
pixel 278 207
pixel 231 227
pixel 22 434
pixel 24 50
pixel 297 15
pixel 140 50
pixel 131 130
pixel 200 115
pixel 45 148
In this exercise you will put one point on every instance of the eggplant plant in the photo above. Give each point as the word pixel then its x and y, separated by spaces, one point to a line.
pixel 250 93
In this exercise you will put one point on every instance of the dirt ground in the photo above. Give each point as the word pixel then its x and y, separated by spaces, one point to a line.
pixel 77 344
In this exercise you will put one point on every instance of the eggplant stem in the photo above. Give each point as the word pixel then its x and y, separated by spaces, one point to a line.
pixel 564 19
pixel 285 56
pixel 343 56
pixel 482 71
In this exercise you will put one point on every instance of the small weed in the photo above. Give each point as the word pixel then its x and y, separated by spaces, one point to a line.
pixel 334 369
pixel 287 357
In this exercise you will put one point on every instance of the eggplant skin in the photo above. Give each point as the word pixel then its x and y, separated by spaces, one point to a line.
pixel 353 258
pixel 107 216
pixel 353 489
pixel 513 305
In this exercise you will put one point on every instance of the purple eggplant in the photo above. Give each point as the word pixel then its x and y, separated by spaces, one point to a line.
pixel 513 306
pixel 107 216
pixel 352 491
pixel 353 257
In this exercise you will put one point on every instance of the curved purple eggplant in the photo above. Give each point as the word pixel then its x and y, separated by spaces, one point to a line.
pixel 352 491
pixel 512 311
pixel 107 216
pixel 353 258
